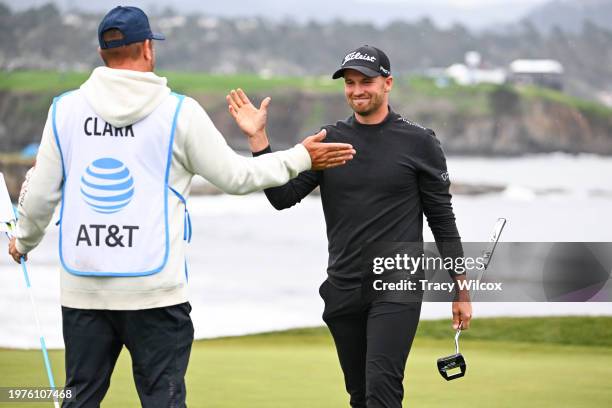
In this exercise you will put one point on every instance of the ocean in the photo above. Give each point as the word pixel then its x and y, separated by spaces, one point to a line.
pixel 255 269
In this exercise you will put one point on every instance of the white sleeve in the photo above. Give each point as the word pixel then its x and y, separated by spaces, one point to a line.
pixel 40 195
pixel 206 153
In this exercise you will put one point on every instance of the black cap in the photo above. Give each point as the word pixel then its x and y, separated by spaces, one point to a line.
pixel 370 61
pixel 133 24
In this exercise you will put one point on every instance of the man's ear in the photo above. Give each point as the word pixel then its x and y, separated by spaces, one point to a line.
pixel 148 50
pixel 388 84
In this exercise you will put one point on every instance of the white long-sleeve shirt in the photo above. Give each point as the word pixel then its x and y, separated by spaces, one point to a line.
pixel 121 98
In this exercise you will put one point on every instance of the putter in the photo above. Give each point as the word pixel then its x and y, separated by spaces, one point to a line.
pixel 454 366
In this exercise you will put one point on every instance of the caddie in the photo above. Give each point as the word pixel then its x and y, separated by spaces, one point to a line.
pixel 119 154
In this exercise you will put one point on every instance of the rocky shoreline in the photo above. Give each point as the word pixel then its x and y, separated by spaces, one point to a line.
pixel 501 122
pixel 14 170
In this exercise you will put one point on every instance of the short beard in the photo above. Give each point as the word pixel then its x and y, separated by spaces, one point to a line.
pixel 375 104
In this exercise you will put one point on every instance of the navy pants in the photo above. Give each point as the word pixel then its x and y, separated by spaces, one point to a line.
pixel 373 341
pixel 159 341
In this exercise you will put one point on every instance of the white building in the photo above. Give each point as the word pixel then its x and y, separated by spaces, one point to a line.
pixel 464 75
pixel 541 72
pixel 472 73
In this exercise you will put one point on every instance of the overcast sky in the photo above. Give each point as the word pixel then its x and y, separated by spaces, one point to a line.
pixel 474 13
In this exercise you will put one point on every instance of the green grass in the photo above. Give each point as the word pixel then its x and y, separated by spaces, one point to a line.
pixel 547 362
pixel 475 98
pixel 467 99
pixel 591 108
pixel 197 82
pixel 40 81
pixel 578 331
pixel 55 82
pixel 427 86
pixel 14 158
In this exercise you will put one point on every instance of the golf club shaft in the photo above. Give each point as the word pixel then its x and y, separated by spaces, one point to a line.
pixel 43 345
pixel 488 255
pixel 457 339
pixel 10 226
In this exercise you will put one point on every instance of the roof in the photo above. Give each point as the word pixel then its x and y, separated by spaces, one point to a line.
pixel 536 66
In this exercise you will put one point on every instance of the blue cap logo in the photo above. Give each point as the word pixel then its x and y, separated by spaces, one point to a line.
pixel 107 186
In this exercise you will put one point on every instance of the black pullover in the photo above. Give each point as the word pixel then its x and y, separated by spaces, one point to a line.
pixel 398 173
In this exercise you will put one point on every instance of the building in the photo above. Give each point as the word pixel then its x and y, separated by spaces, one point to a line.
pixel 539 72
pixel 466 75
pixel 471 72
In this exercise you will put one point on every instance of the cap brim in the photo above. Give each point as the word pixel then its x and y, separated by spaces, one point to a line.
pixel 158 36
pixel 364 70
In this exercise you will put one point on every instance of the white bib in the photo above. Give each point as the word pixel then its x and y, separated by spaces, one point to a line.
pixel 114 213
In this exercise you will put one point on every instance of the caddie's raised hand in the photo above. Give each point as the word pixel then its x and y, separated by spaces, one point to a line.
pixel 252 121
pixel 327 155
pixel 14 253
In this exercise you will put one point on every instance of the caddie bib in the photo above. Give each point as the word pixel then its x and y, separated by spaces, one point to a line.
pixel 114 211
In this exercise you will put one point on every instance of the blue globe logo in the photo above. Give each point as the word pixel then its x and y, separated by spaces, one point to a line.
pixel 107 186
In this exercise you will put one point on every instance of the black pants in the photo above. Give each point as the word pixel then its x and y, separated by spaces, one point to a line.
pixel 159 341
pixel 373 342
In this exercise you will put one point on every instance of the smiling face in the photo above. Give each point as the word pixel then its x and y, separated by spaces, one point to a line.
pixel 368 97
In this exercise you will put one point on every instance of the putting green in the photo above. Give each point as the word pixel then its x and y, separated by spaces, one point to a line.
pixel 299 369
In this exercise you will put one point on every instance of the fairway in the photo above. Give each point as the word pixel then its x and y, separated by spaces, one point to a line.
pixel 299 369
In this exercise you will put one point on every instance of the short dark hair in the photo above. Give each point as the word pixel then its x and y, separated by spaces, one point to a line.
pixel 119 54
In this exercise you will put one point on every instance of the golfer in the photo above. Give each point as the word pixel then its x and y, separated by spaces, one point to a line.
pixel 399 175
pixel 120 153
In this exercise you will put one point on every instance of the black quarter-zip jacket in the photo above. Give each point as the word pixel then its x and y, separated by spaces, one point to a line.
pixel 398 174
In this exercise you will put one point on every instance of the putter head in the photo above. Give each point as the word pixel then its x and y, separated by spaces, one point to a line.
pixel 452 367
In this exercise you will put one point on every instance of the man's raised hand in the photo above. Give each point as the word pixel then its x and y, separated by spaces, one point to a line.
pixel 252 121
pixel 327 155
